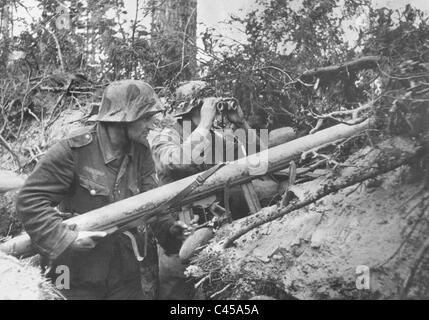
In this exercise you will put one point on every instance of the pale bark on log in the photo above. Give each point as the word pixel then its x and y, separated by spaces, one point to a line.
pixel 280 136
pixel 369 62
pixel 10 181
pixel 359 175
pixel 263 188
pixel 238 172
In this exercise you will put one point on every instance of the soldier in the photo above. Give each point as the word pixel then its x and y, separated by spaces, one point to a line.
pixel 101 164
pixel 179 154
pixel 187 142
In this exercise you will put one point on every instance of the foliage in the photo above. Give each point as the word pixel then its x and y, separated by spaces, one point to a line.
pixel 97 43
pixel 284 41
pixel 270 73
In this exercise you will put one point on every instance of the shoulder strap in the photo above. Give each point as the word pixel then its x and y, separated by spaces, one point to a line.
pixel 80 140
pixel 172 202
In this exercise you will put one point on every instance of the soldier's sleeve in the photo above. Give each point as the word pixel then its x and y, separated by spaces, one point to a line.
pixel 166 148
pixel 43 191
pixel 171 154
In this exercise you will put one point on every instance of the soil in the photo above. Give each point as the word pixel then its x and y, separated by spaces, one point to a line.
pixel 22 280
pixel 314 253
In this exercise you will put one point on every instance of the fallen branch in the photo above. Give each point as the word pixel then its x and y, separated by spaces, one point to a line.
pixel 77 89
pixel 214 295
pixel 199 283
pixel 369 62
pixel 10 181
pixel 382 165
pixel 145 206
pixel 338 115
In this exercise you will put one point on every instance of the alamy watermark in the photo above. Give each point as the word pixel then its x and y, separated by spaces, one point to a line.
pixel 242 146
pixel 63 21
pixel 363 277
pixel 62 280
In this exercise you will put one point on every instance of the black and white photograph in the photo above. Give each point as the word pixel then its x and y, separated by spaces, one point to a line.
pixel 218 155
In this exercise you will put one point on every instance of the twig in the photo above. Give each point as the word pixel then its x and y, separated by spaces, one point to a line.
pixel 67 88
pixel 314 151
pixel 317 127
pixel 61 89
pixel 340 183
pixel 57 43
pixel 23 104
pixel 354 113
pixel 369 62
pixel 199 283
pixel 401 78
pixel 184 39
pixel 221 291
pixel 354 189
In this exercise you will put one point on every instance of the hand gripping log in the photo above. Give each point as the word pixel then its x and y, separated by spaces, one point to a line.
pixel 238 172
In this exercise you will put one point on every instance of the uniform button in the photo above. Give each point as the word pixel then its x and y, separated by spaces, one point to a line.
pixel 92 192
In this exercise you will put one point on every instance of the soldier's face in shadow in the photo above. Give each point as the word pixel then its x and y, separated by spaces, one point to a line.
pixel 194 117
pixel 138 130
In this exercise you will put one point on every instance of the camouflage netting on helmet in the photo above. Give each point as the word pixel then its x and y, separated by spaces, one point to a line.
pixel 191 89
pixel 128 101
pixel 189 95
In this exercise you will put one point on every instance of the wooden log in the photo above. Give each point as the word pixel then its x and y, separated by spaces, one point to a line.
pixel 238 172
pixel 331 185
pixel 368 62
pixel 199 238
pixel 10 181
pixel 280 136
pixel 251 197
pixel 266 188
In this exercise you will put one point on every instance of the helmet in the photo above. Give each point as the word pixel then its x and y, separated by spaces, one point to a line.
pixel 187 96
pixel 128 101
pixel 190 89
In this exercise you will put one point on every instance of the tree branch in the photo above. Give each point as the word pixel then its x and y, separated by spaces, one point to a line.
pixel 384 165
pixel 369 62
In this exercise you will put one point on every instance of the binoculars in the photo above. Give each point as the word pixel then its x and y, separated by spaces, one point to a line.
pixel 227 104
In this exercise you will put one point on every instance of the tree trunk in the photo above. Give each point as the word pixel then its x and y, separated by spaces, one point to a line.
pixel 176 22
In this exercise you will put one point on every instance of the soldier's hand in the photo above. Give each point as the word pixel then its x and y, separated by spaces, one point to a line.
pixel 236 116
pixel 87 240
pixel 180 230
pixel 208 112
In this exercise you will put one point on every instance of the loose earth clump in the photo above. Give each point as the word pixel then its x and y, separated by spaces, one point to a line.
pixel 21 280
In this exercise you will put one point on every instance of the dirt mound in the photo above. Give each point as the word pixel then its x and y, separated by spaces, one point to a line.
pixel 20 280
pixel 315 252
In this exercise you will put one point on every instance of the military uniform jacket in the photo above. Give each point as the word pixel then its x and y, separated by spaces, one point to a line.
pixel 78 175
